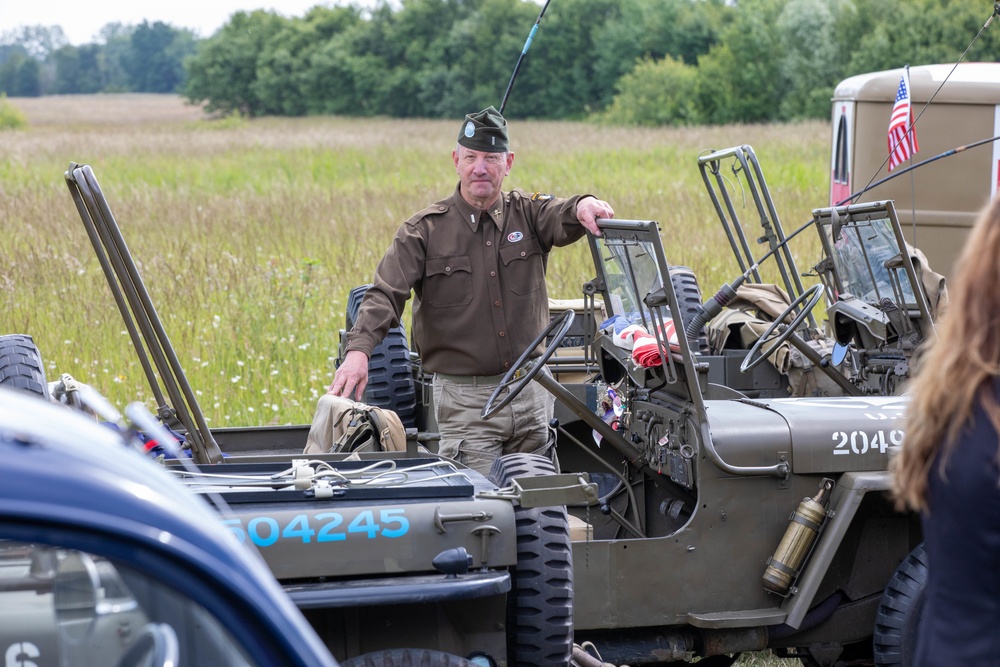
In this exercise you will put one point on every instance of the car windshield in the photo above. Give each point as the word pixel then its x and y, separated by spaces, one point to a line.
pixel 860 256
pixel 60 607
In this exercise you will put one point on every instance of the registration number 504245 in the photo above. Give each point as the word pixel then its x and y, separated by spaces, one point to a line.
pixel 265 531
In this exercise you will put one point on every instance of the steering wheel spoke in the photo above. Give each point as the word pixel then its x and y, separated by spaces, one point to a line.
pixel 779 332
pixel 526 368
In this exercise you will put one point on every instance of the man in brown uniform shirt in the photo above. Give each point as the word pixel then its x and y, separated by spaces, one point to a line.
pixel 475 263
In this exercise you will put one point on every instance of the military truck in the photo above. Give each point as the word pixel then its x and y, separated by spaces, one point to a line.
pixel 939 202
pixel 716 502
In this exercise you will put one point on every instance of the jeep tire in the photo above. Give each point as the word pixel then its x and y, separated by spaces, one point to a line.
pixel 407 657
pixel 21 365
pixel 390 370
pixel 540 603
pixel 689 300
pixel 899 611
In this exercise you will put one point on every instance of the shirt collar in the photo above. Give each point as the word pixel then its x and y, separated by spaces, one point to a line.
pixel 471 214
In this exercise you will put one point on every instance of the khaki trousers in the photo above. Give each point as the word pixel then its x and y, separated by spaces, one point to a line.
pixel 521 427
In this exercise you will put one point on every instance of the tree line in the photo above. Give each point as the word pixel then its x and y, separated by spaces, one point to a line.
pixel 645 62
pixel 147 58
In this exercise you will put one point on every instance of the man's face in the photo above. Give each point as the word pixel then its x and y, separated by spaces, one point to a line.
pixel 481 174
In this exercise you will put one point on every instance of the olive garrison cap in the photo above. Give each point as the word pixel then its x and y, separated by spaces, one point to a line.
pixel 485 131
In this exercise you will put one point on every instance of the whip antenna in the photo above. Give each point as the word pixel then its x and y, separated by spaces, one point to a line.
pixel 524 52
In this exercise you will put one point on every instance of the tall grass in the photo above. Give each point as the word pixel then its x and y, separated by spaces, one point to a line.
pixel 250 234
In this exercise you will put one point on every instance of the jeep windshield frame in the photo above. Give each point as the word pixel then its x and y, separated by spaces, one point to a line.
pixel 869 259
pixel 866 246
pixel 631 265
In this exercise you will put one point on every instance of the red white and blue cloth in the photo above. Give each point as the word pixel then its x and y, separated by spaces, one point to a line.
pixel 627 333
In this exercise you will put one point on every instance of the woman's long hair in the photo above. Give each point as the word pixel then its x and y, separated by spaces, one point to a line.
pixel 957 369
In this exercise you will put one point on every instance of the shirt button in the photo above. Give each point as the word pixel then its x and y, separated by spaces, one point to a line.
pixel 502 334
pixel 523 254
pixel 447 269
pixel 489 243
pixel 496 303
pixel 507 365
pixel 493 274
pixel 440 208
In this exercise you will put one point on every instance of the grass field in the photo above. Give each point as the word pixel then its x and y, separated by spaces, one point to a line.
pixel 249 234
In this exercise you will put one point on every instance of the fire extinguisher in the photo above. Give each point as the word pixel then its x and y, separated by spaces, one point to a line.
pixel 804 527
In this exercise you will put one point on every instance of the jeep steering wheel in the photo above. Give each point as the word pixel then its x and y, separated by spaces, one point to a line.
pixel 517 381
pixel 755 356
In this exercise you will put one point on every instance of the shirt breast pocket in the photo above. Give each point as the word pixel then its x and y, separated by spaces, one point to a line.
pixel 448 281
pixel 524 266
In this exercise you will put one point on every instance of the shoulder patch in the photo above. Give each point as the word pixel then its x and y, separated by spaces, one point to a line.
pixel 538 196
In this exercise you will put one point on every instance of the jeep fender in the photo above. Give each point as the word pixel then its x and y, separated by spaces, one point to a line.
pixel 853 487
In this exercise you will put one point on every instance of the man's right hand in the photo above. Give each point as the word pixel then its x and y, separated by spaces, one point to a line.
pixel 351 378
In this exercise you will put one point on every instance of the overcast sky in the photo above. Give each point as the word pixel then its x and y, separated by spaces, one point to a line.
pixel 81 20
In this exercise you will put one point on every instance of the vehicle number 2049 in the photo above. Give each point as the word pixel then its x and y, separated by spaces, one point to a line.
pixel 861 442
pixel 321 527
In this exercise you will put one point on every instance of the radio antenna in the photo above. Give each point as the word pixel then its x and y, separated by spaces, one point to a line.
pixel 524 52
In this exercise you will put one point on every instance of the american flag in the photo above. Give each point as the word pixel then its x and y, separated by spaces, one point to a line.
pixel 902 143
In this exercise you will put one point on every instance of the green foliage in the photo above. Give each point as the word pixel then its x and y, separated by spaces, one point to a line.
pixel 115 55
pixel 652 30
pixel 810 54
pixel 739 80
pixel 145 58
pixel 10 117
pixel 655 93
pixel 223 73
pixel 77 70
pixel 156 54
pixel 485 46
pixel 20 75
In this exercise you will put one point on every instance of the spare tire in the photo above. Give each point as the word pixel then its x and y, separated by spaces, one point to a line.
pixel 407 657
pixel 390 370
pixel 21 365
pixel 540 603
pixel 689 300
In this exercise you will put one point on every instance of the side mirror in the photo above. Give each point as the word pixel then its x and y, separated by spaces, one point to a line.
pixel 839 353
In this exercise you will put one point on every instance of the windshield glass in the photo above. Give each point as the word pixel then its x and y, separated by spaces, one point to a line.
pixel 631 271
pixel 860 255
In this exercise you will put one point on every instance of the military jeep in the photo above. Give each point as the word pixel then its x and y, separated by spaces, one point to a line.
pixel 733 516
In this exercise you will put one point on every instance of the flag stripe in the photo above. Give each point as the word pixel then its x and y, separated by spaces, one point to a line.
pixel 902 136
